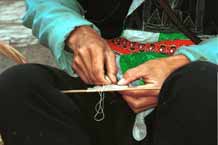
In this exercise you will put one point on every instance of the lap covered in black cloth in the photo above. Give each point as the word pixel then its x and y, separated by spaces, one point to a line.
pixel 34 111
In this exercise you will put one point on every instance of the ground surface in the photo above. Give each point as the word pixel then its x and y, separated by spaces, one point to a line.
pixel 13 33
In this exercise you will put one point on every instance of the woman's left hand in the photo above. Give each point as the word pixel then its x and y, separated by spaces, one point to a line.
pixel 154 73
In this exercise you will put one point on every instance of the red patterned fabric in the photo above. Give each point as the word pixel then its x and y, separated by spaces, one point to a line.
pixel 124 46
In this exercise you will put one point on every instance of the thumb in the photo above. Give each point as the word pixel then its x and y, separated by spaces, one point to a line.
pixel 131 75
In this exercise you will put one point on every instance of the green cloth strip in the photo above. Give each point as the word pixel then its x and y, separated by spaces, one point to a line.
pixel 171 36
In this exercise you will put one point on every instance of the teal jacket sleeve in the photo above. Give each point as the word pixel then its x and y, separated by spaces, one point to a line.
pixel 205 51
pixel 51 22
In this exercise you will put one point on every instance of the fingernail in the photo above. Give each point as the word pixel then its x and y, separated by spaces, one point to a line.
pixel 113 78
pixel 122 82
pixel 108 79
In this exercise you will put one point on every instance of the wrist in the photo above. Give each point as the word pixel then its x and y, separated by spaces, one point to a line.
pixel 177 61
pixel 76 34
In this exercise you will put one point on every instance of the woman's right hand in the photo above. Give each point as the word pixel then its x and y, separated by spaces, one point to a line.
pixel 93 58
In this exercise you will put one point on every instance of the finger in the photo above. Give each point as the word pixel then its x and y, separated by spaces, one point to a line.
pixel 140 103
pixel 143 109
pixel 98 67
pixel 111 66
pixel 80 70
pixel 132 75
pixel 84 55
pixel 140 93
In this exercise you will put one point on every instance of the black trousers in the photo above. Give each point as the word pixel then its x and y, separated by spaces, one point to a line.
pixel 33 111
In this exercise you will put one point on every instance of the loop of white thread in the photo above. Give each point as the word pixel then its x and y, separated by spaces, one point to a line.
pixel 99 107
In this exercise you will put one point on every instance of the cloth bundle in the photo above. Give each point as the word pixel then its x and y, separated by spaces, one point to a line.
pixel 129 57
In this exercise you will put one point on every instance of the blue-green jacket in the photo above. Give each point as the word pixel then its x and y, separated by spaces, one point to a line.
pixel 52 21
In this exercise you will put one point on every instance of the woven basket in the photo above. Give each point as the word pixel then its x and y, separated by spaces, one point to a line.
pixel 12 53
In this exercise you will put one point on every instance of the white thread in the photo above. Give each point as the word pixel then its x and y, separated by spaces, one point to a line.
pixel 99 107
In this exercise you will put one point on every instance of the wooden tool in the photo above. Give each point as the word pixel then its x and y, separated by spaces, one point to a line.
pixel 110 89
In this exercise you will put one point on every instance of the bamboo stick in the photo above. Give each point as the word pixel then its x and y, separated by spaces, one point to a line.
pixel 108 90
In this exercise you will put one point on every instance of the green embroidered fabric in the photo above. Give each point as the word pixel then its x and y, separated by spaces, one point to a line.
pixel 172 36
pixel 132 60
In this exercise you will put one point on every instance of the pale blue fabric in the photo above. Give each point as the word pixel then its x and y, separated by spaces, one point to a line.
pixel 135 4
pixel 205 51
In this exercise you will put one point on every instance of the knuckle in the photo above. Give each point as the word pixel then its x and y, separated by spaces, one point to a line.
pixel 76 60
pixel 92 44
pixel 136 104
pixel 135 111
pixel 97 45
pixel 128 74
pixel 81 50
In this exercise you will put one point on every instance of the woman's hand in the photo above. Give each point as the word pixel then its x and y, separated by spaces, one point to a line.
pixel 154 73
pixel 92 57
